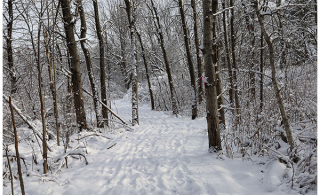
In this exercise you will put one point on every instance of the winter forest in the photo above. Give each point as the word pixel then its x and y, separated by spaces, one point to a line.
pixel 159 97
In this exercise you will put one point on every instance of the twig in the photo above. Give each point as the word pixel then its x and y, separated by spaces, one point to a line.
pixel 111 146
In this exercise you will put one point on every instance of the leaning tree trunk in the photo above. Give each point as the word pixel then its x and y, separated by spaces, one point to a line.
pixel 17 148
pixel 196 39
pixel 166 61
pixel 75 65
pixel 210 60
pixel 86 52
pixel 190 63
pixel 12 72
pixel 267 37
pixel 135 115
pixel 102 68
pixel 147 70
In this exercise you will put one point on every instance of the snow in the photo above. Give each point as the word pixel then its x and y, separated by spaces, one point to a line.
pixel 163 155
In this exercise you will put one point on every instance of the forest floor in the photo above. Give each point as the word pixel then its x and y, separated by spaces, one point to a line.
pixel 163 155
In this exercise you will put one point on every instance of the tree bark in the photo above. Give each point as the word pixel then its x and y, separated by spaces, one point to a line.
pixel 12 72
pixel 86 52
pixel 75 65
pixel 131 19
pixel 190 63
pixel 267 37
pixel 210 60
pixel 102 68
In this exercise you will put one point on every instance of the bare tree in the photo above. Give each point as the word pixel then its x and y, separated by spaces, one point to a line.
pixel 102 68
pixel 131 20
pixel 44 130
pixel 17 149
pixel 75 65
pixel 234 62
pixel 166 61
pixel 190 63
pixel 217 65
pixel 86 52
pixel 8 38
pixel 196 40
pixel 229 63
pixel 210 61
pixel 277 91
pixel 147 70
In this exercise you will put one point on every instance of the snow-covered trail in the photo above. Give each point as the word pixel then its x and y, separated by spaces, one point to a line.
pixel 163 155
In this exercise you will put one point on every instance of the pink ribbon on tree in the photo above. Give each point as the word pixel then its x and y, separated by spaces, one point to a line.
pixel 203 81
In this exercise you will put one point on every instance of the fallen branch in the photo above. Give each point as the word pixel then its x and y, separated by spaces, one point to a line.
pixel 111 146
pixel 68 74
pixel 111 111
pixel 95 134
pixel 29 123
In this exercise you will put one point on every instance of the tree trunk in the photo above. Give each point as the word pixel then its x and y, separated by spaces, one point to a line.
pixel 131 19
pixel 75 65
pixel 196 39
pixel 190 63
pixel 55 76
pixel 11 181
pixel 261 71
pixel 86 52
pixel 166 61
pixel 102 68
pixel 17 149
pixel 217 65
pixel 229 64
pixel 274 77
pixel 44 130
pixel 147 70
pixel 12 72
pixel 210 60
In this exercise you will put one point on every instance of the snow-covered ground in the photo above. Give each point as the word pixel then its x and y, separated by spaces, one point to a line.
pixel 163 155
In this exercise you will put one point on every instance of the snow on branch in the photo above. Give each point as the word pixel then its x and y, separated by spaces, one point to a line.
pixel 29 123
pixel 220 12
